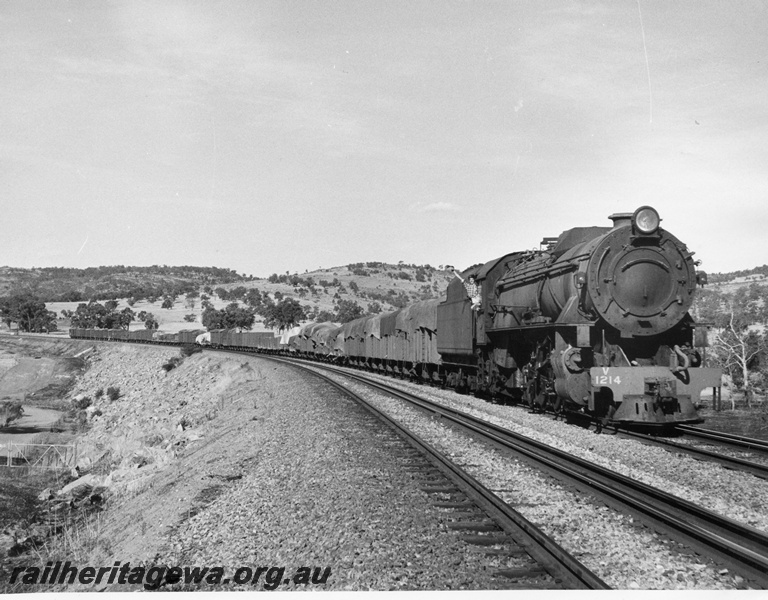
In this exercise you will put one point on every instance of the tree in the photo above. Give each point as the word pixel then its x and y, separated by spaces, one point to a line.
pixel 737 345
pixel 286 313
pixel 127 316
pixel 253 298
pixel 97 316
pixel 150 322
pixel 231 317
pixel 324 316
pixel 238 293
pixel 348 310
pixel 28 312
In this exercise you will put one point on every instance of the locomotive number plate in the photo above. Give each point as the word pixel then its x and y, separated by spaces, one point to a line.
pixel 606 380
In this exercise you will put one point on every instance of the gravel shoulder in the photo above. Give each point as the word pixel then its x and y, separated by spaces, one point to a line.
pixel 737 495
pixel 235 461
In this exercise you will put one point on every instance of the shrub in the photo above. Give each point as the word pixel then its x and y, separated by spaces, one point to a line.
pixel 113 393
pixel 190 349
pixel 81 403
pixel 99 393
pixel 174 362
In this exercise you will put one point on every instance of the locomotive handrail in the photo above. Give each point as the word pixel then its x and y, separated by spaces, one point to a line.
pixel 632 263
pixel 600 266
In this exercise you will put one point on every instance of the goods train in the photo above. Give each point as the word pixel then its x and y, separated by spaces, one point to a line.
pixel 595 322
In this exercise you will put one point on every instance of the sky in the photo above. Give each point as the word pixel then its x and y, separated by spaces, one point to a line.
pixel 278 135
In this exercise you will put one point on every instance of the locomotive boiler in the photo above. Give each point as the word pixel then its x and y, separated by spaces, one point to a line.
pixel 596 322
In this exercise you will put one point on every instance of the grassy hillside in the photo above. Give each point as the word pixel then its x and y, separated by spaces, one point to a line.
pixel 57 284
pixel 373 286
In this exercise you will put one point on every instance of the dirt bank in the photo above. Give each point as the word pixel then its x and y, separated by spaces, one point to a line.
pixel 39 371
pixel 135 441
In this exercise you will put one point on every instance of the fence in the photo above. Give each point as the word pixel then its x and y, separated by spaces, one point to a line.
pixel 42 456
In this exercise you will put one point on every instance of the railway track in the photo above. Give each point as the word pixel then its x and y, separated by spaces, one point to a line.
pixel 729 462
pixel 740 548
pixel 559 569
pixel 725 439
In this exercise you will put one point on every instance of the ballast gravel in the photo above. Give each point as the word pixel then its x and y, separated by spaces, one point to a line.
pixel 737 495
pixel 624 553
pixel 246 463
pixel 325 488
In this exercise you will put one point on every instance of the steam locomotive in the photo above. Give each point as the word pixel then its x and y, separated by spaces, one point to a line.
pixel 595 323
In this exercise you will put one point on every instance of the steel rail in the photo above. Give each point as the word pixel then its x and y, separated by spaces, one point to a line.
pixel 741 547
pixel 720 437
pixel 566 570
pixel 729 462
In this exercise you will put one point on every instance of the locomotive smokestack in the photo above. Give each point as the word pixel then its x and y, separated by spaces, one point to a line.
pixel 621 219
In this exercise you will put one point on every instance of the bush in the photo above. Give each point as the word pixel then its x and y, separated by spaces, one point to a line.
pixel 190 349
pixel 81 403
pixel 99 393
pixel 174 362
pixel 113 393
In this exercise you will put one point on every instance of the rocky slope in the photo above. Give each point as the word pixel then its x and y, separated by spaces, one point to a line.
pixel 235 461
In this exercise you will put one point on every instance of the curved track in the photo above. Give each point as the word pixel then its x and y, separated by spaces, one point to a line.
pixel 741 548
pixel 566 570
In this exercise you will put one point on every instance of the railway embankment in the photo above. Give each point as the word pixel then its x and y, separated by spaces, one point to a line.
pixel 136 419
pixel 227 460
pixel 233 461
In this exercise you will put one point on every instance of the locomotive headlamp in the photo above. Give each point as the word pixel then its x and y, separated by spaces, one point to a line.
pixel 646 220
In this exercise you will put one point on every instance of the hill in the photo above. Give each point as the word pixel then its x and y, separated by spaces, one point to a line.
pixel 757 273
pixel 372 286
pixel 60 284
